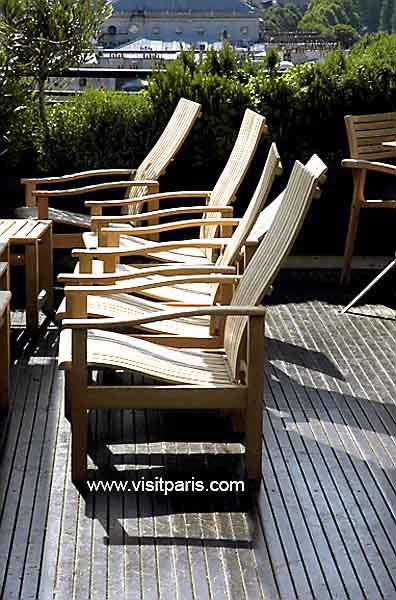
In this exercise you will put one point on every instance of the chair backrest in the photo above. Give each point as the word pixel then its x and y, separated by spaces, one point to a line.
pixel 273 249
pixel 252 129
pixel 166 147
pixel 366 134
pixel 272 168
pixel 266 217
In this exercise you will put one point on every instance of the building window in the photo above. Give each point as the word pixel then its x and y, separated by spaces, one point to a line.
pixel 112 30
pixel 201 31
pixel 155 30
pixel 179 30
pixel 244 30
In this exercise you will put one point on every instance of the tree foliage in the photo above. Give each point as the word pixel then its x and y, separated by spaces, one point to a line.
pixel 43 37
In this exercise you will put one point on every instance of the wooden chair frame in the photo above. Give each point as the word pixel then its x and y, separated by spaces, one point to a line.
pixel 366 134
pixel 141 181
pixel 244 396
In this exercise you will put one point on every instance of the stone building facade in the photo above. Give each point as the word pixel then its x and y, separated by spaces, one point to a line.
pixel 192 21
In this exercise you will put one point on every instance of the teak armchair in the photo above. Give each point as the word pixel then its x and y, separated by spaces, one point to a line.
pixel 217 206
pixel 202 294
pixel 231 377
pixel 366 136
pixel 140 182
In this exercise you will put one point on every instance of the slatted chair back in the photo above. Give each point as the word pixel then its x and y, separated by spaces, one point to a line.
pixel 230 255
pixel 166 148
pixel 252 129
pixel 273 249
pixel 366 134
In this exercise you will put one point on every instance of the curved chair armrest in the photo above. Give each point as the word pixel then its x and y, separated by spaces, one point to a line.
pixel 87 189
pixel 149 198
pixel 215 311
pixel 167 212
pixel 368 165
pixel 77 176
pixel 150 248
pixel 5 299
pixel 169 269
pixel 127 288
pixel 173 226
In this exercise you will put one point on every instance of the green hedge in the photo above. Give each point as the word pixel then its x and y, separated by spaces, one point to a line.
pixel 304 108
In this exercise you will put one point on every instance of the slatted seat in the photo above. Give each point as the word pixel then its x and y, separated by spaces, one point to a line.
pixel 189 366
pixel 232 377
pixel 253 127
pixel 367 135
pixel 141 181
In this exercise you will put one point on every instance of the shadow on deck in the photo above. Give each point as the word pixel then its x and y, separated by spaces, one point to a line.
pixel 322 526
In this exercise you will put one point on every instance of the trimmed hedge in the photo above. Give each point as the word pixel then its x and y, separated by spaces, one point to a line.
pixel 304 109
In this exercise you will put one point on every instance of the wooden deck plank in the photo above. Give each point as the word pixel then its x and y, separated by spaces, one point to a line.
pixel 323 524
pixel 363 485
pixel 29 534
pixel 330 479
pixel 131 522
pixel 9 515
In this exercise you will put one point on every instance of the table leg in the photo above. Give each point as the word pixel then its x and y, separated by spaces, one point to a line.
pixel 45 266
pixel 32 286
pixel 5 361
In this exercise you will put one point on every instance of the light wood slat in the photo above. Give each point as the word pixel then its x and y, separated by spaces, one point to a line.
pixel 375 131
pixel 25 231
pixel 68 217
pixel 380 117
pixel 132 354
pixel 9 228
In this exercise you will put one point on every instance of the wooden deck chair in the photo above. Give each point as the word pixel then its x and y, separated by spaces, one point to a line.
pixel 105 301
pixel 217 205
pixel 231 378
pixel 142 181
pixel 203 294
pixel 366 135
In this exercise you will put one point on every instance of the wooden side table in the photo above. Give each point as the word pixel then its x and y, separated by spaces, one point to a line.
pixel 35 237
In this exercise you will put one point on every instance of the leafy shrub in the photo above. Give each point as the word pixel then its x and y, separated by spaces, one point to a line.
pixel 304 107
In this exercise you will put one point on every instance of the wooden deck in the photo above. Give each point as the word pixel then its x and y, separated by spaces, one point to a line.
pixel 322 526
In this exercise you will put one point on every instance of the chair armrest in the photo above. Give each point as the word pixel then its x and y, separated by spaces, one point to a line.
pixel 149 248
pixel 169 269
pixel 175 225
pixel 87 189
pixel 158 214
pixel 5 299
pixel 368 165
pixel 127 288
pixel 215 311
pixel 149 198
pixel 77 176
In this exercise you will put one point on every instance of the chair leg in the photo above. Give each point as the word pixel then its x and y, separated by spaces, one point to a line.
pixel 350 244
pixel 79 426
pixel 5 362
pixel 253 433
pixel 67 405
pixel 359 179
